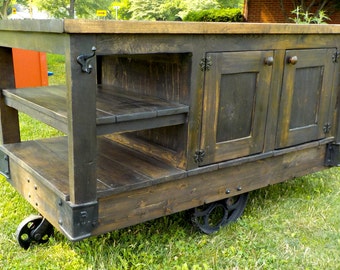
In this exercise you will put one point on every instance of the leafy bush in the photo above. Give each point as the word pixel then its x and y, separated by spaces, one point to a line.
pixel 215 15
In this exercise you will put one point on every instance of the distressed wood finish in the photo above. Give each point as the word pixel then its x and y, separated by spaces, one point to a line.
pixel 118 169
pixel 178 195
pixel 137 125
pixel 145 27
pixel 236 90
pixel 116 110
pixel 9 120
pixel 306 96
pixel 81 114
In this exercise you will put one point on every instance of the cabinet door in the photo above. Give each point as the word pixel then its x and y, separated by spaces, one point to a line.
pixel 236 90
pixel 305 99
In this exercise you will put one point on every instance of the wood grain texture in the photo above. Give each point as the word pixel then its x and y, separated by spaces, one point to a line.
pixel 147 27
pixel 113 106
pixel 133 207
pixel 306 96
pixel 9 119
pixel 119 168
pixel 235 102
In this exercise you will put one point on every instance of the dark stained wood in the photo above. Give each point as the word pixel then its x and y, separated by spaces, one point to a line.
pixel 234 114
pixel 81 118
pixel 119 168
pixel 45 160
pixel 160 75
pixel 47 104
pixel 113 106
pixel 156 106
pixel 306 96
pixel 9 120
pixel 164 199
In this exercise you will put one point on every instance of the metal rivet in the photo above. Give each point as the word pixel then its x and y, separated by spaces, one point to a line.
pixel 227 191
pixel 239 188
pixel 35 187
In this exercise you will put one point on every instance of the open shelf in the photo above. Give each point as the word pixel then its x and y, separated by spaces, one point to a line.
pixel 117 110
pixel 119 168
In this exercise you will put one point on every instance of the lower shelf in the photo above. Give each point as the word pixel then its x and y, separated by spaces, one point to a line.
pixel 118 168
pixel 133 187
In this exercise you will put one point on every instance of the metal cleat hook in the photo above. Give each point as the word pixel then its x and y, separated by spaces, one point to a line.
pixel 85 59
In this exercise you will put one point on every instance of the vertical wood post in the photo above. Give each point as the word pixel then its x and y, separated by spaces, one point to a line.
pixel 9 120
pixel 81 106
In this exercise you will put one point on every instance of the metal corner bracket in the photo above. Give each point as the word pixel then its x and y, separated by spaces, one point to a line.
pixel 332 158
pixel 77 221
pixel 4 165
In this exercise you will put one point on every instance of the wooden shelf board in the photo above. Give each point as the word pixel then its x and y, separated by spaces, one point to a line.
pixel 119 168
pixel 114 106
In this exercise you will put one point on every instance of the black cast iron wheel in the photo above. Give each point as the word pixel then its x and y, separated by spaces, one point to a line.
pixel 33 229
pixel 209 218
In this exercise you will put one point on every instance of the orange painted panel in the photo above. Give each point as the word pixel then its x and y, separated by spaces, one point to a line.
pixel 30 68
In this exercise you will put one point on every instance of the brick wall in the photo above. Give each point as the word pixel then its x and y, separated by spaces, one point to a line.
pixel 269 11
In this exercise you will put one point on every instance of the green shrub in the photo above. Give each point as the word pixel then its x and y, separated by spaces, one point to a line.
pixel 215 15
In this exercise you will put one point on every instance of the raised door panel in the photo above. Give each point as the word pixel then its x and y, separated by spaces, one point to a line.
pixel 305 98
pixel 236 93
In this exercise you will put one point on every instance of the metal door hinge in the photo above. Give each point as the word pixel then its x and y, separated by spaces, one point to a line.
pixel 199 155
pixel 335 56
pixel 205 63
pixel 327 128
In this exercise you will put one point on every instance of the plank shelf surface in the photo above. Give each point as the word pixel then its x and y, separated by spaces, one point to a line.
pixel 119 168
pixel 117 110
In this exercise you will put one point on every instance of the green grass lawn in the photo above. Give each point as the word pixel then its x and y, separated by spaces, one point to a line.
pixel 292 225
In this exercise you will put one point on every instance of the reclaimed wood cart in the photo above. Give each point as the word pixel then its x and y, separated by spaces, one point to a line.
pixel 161 117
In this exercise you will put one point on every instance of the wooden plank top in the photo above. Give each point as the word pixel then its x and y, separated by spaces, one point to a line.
pixel 162 27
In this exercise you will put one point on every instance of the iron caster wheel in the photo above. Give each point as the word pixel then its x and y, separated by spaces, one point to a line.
pixel 209 218
pixel 33 229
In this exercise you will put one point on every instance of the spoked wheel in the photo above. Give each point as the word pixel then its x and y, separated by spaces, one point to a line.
pixel 211 217
pixel 33 229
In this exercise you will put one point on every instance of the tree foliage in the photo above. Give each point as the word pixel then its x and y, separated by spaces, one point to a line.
pixel 167 9
pixel 6 6
pixel 123 11
pixel 126 9
pixel 72 8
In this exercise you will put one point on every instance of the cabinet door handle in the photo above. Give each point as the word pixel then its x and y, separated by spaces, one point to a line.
pixel 292 60
pixel 269 61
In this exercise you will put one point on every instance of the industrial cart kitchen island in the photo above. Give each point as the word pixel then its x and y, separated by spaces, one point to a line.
pixel 162 117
